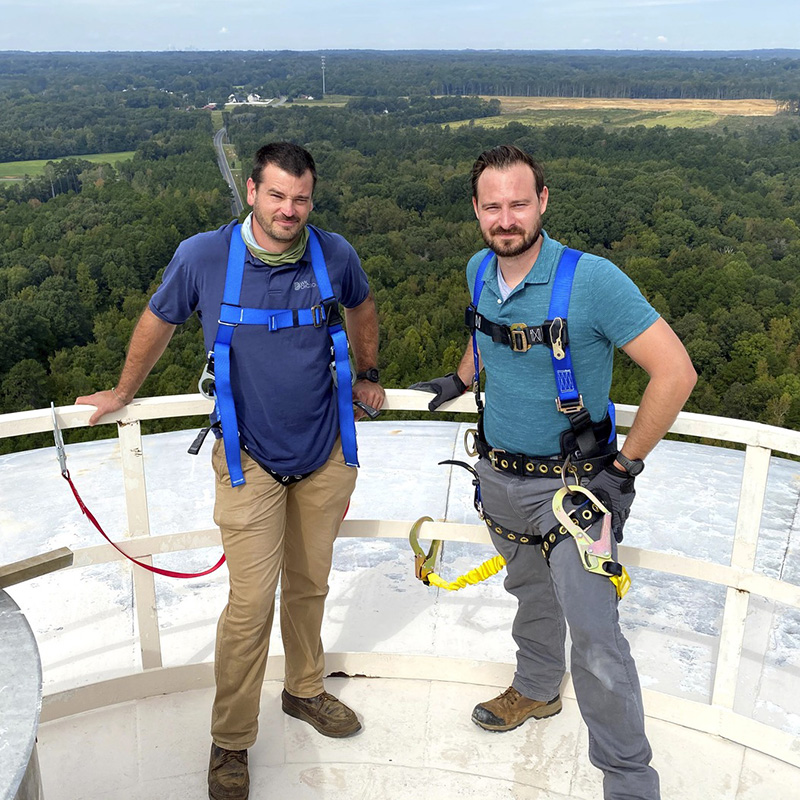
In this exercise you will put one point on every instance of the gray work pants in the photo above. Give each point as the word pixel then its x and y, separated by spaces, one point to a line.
pixel 549 598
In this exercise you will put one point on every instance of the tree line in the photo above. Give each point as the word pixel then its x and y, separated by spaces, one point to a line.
pixel 164 80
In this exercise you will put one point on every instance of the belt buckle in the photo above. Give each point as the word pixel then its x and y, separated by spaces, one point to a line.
pixel 317 318
pixel 519 338
pixel 500 460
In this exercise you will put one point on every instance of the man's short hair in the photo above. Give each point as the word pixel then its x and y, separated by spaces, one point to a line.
pixel 502 157
pixel 287 156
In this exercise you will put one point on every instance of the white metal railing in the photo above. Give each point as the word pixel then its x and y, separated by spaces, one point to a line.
pixel 739 576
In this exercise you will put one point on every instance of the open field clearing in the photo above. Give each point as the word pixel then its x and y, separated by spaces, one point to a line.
pixel 16 170
pixel 622 113
pixel 735 108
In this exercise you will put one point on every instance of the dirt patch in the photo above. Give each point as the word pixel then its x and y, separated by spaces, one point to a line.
pixel 737 108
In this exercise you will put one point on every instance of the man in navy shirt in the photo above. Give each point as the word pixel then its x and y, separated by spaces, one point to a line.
pixel 281 520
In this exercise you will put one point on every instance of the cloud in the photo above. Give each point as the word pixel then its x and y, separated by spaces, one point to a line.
pixel 223 30
pixel 662 39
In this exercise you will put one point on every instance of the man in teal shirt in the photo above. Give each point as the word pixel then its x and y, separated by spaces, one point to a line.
pixel 525 440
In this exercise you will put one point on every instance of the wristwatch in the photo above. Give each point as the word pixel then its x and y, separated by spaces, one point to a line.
pixel 370 374
pixel 633 466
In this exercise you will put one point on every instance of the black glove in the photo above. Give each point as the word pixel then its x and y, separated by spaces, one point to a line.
pixel 446 388
pixel 615 490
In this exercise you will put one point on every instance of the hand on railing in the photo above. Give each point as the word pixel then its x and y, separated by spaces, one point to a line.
pixel 106 402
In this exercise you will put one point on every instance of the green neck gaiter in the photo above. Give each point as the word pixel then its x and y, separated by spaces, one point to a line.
pixel 290 256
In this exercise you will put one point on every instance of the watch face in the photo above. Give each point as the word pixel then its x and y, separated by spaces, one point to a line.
pixel 370 374
pixel 634 466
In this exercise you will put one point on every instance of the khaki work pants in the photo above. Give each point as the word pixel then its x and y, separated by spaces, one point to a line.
pixel 272 531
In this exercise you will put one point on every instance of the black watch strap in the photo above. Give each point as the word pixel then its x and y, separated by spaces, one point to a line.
pixel 370 374
pixel 633 466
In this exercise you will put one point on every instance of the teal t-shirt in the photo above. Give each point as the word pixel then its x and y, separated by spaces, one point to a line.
pixel 606 310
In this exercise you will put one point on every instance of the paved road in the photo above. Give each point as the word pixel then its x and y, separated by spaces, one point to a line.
pixel 224 168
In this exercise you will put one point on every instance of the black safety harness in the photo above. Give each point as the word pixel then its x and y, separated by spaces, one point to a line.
pixel 586 447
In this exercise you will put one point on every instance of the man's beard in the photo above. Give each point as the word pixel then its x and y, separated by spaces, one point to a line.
pixel 275 232
pixel 509 249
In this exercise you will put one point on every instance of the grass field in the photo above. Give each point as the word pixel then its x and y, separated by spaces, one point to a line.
pixel 16 170
pixel 621 113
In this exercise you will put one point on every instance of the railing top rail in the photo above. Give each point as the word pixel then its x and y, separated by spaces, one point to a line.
pixel 704 426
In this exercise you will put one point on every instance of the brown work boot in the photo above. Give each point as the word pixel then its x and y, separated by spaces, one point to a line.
pixel 510 709
pixel 227 774
pixel 331 717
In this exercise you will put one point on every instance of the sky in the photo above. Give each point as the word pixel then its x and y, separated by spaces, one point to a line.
pixel 99 25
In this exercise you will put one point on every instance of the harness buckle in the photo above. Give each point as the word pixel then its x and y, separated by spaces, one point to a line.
pixel 520 342
pixel 556 332
pixel 231 324
pixel 317 316
pixel 503 460
pixel 570 408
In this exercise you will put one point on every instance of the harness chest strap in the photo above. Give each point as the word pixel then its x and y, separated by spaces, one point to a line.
pixel 232 315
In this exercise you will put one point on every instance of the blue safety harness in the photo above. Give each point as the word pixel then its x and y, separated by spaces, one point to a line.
pixel 552 333
pixel 231 315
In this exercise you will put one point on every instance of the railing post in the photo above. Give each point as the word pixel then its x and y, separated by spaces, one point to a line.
pixel 734 618
pixel 144 590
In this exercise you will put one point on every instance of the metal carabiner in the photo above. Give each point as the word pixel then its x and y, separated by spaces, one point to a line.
pixel 59 442
pixel 424 563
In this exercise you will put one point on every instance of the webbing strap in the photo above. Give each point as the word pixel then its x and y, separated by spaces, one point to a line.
pixel 274 319
pixel 344 378
pixel 559 308
pixel 476 296
pixel 226 410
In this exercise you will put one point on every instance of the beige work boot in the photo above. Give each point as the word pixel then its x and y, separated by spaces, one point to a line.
pixel 329 715
pixel 510 709
pixel 228 778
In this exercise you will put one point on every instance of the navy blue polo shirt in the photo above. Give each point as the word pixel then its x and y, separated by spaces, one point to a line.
pixel 282 388
pixel 606 310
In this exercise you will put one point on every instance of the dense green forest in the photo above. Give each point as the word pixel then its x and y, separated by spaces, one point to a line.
pixel 705 223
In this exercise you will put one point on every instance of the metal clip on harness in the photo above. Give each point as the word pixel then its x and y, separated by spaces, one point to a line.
pixel 595 555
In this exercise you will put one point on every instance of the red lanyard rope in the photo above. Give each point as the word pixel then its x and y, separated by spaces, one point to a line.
pixel 158 571
pixel 149 567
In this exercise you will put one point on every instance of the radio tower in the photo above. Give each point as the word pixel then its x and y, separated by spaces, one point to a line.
pixel 322 58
